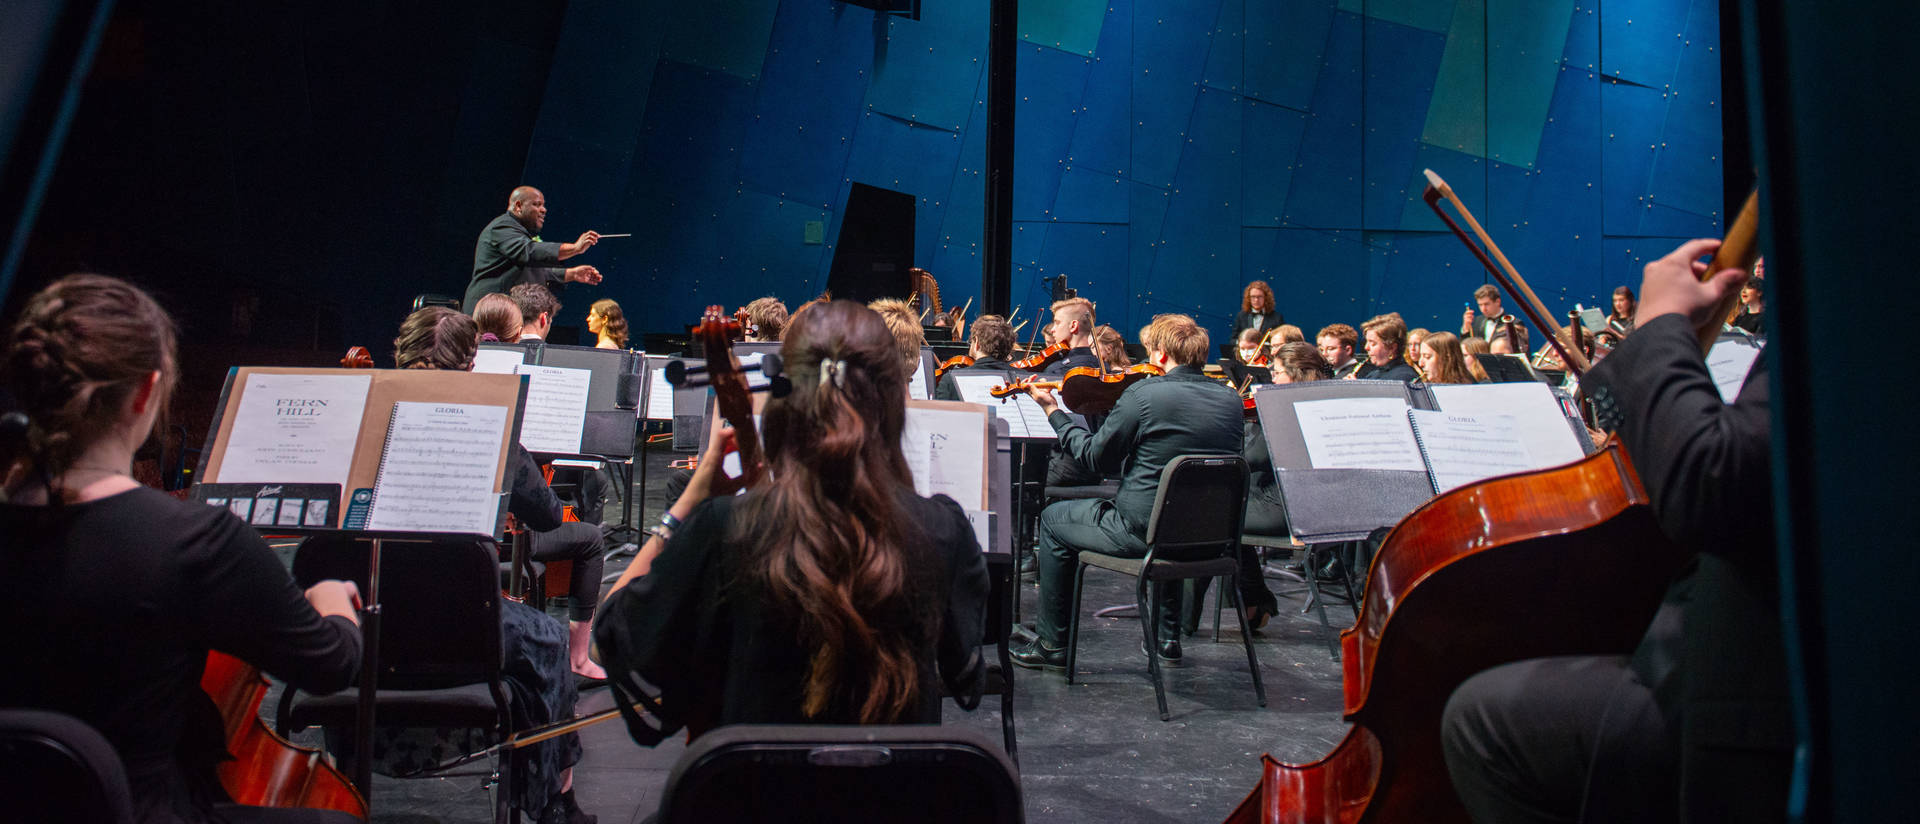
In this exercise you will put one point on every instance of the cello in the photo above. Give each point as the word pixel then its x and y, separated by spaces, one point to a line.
pixel 1587 566
pixel 268 770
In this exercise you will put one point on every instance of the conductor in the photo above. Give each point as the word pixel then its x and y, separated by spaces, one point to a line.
pixel 510 251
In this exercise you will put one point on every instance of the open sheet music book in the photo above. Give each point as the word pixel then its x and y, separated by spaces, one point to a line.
pixel 1352 456
pixel 436 469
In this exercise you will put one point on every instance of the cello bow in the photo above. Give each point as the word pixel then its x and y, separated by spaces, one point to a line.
pixel 1508 277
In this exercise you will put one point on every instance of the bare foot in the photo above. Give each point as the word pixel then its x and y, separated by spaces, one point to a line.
pixel 586 668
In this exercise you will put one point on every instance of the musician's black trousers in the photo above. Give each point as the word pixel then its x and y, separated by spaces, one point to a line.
pixel 1066 528
pixel 580 543
pixel 1566 739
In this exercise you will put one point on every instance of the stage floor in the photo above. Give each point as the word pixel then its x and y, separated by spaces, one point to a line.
pixel 1095 751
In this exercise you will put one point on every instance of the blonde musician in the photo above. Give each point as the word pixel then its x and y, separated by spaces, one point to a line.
pixel 1111 349
pixel 766 319
pixel 1470 350
pixel 1386 341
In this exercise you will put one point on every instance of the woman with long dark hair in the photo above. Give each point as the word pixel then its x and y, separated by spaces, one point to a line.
pixel 831 593
pixel 131 588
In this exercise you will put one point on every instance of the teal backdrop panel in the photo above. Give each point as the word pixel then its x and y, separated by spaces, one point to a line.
pixel 1167 151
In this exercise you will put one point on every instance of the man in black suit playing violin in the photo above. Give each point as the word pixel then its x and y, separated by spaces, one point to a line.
pixel 1694 725
pixel 1155 421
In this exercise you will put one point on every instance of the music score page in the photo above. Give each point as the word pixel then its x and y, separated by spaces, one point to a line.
pixel 295 429
pixel 437 470
pixel 1464 449
pixel 1359 433
pixel 556 410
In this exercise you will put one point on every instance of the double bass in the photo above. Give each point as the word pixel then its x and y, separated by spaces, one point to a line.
pixel 268 770
pixel 1574 551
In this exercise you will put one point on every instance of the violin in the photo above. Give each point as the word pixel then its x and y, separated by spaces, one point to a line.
pixel 732 396
pixel 357 357
pixel 268 770
pixel 1084 389
pixel 956 360
pixel 1041 359
pixel 742 326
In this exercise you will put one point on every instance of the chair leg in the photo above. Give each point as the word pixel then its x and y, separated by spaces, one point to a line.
pixel 1150 607
pixel 1006 703
pixel 1073 623
pixel 1219 598
pixel 1246 639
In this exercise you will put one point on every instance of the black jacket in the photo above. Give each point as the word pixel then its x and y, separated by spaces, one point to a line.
pixel 506 256
pixel 1244 320
pixel 1156 420
pixel 1397 370
pixel 1714 654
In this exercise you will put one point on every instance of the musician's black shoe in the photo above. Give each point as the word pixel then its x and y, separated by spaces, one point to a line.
pixel 1035 655
pixel 1170 655
pixel 1030 564
pixel 563 809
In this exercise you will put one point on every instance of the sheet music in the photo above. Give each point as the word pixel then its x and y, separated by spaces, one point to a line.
pixel 1541 421
pixel 1463 449
pixel 556 409
pixel 946 449
pixel 436 474
pixel 498 361
pixel 920 386
pixel 295 429
pixel 1023 416
pixel 755 380
pixel 1729 362
pixel 1359 433
pixel 659 391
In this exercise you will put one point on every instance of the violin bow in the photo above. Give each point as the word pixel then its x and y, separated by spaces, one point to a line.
pixel 1508 277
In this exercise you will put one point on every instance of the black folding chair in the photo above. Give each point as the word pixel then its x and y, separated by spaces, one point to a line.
pixel 1206 496
pixel 54 767
pixel 807 773
pixel 440 653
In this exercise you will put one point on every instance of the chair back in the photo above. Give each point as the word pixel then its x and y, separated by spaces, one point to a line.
pixel 1207 498
pixel 53 767
pixel 439 605
pixel 821 773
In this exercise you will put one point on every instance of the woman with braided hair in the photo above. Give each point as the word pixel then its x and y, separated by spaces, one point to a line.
pixel 132 588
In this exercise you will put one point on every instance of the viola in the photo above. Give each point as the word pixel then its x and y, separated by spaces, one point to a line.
pixel 1041 359
pixel 732 396
pixel 1576 549
pixel 1084 389
pixel 357 358
pixel 268 770
pixel 956 360
pixel 742 326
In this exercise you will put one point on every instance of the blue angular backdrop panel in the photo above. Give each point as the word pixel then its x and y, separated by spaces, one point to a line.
pixel 1168 151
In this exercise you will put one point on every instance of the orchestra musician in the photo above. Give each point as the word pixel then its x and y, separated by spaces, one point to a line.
pixel 908 335
pixel 1338 342
pixel 1249 348
pixel 1695 724
pixel 1111 349
pixel 497 315
pixel 1504 338
pixel 1183 412
pixel 990 347
pixel 127 589
pixel 1072 325
pixel 1386 339
pixel 1414 338
pixel 1443 361
pixel 1470 350
pixel 542 659
pixel 607 323
pixel 510 252
pixel 830 593
pixel 766 319
pixel 538 308
pixel 1752 316
pixel 1620 323
pixel 1257 310
pixel 1487 324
